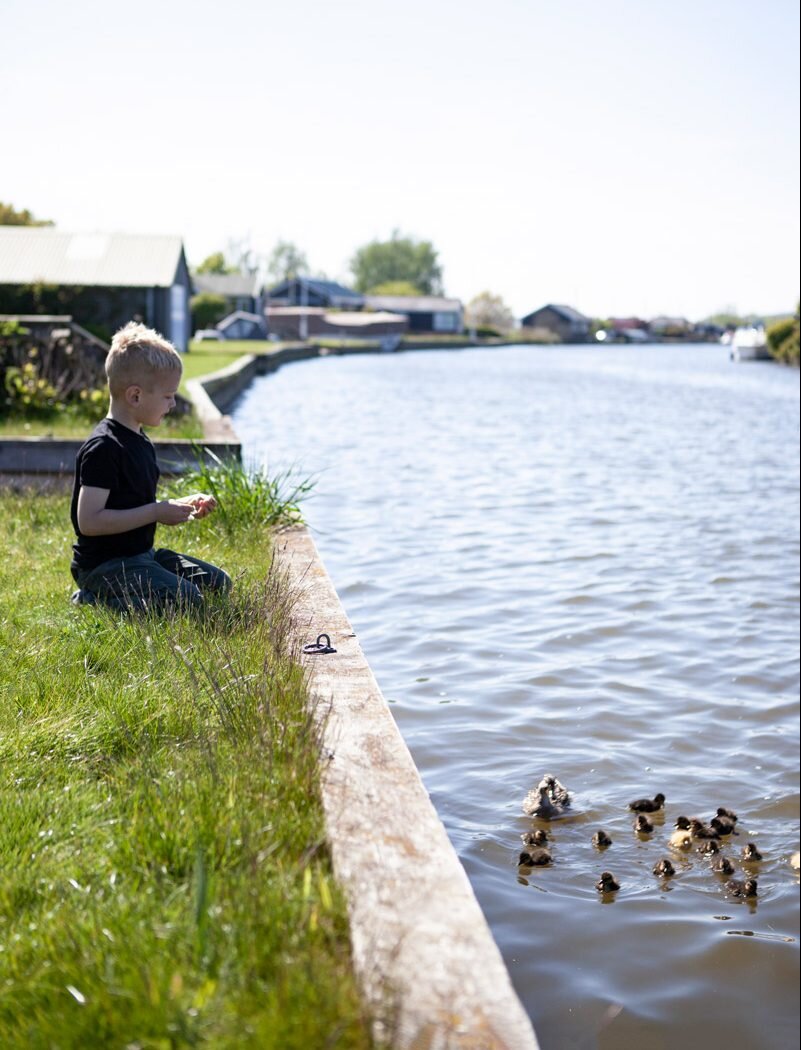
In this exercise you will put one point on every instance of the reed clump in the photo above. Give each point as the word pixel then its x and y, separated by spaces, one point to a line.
pixel 164 879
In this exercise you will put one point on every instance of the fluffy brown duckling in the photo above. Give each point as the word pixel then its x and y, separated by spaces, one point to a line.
pixel 601 839
pixel 534 838
pixel 643 825
pixel 682 823
pixel 648 805
pixel 750 852
pixel 699 830
pixel 664 868
pixel 723 826
pixel 735 888
pixel 535 858
pixel 729 814
pixel 708 847
pixel 607 883
pixel 723 866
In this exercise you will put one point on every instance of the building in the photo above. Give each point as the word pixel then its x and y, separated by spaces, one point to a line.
pixel 306 322
pixel 670 327
pixel 426 313
pixel 568 324
pixel 241 291
pixel 309 291
pixel 103 280
pixel 243 325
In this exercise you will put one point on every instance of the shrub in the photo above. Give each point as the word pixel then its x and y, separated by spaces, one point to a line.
pixel 207 309
pixel 45 372
pixel 783 340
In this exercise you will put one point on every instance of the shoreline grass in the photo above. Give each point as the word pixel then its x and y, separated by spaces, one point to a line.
pixel 164 880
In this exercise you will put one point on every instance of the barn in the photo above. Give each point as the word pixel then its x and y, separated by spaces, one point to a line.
pixel 103 280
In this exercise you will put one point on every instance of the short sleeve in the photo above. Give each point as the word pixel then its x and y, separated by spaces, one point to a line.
pixel 99 465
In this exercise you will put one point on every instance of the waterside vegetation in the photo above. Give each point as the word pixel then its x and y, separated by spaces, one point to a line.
pixel 783 340
pixel 164 879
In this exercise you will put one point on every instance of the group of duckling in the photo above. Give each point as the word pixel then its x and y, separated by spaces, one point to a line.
pixel 550 800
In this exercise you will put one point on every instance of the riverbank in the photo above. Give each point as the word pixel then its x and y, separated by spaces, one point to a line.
pixel 165 875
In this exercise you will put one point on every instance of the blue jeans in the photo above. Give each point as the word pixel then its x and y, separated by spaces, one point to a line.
pixel 154 579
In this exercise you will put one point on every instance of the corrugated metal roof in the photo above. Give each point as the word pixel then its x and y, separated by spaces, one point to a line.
pixel 227 284
pixel 123 260
pixel 403 304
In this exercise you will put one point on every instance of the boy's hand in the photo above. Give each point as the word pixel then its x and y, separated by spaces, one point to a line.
pixel 200 503
pixel 173 512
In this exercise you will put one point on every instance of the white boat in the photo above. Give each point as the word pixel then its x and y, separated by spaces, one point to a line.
pixel 749 344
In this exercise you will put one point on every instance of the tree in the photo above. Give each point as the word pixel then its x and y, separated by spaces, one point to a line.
pixel 215 263
pixel 207 309
pixel 398 259
pixel 486 310
pixel 395 288
pixel 286 261
pixel 9 216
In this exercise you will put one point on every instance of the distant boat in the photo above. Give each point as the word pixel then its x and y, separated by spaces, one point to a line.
pixel 748 343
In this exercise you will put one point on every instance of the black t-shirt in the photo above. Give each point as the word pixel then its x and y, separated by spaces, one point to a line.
pixel 116 458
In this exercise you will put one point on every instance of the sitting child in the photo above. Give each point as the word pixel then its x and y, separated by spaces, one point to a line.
pixel 114 507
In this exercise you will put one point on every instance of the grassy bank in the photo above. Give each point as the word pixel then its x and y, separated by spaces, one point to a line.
pixel 163 876
pixel 69 425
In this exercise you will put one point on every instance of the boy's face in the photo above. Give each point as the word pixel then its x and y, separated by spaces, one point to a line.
pixel 156 398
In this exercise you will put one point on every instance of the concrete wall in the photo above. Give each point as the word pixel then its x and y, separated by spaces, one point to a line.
pixel 425 957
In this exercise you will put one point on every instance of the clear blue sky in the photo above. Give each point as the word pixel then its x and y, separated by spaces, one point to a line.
pixel 622 156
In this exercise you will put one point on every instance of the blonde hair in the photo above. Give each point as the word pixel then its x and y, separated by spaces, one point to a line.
pixel 137 355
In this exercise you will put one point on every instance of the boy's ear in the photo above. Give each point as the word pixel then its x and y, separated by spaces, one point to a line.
pixel 133 394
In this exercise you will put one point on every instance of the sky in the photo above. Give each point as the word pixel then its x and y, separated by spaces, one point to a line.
pixel 624 157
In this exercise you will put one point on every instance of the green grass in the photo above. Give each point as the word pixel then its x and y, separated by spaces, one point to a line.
pixel 164 880
pixel 204 358
pixel 79 427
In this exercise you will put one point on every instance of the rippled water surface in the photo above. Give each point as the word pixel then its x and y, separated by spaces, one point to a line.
pixel 581 561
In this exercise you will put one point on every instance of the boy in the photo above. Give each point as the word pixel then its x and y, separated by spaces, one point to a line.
pixel 114 508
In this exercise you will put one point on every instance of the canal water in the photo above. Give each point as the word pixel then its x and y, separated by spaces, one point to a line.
pixel 584 562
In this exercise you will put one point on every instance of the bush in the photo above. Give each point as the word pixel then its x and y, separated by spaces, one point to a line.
pixel 45 373
pixel 783 340
pixel 207 309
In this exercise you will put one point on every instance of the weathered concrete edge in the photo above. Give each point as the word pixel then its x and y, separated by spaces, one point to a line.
pixel 421 944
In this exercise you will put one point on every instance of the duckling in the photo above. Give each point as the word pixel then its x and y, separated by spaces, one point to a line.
pixel 727 813
pixel 736 888
pixel 643 825
pixel 535 858
pixel 795 860
pixel 699 830
pixel 683 823
pixel 607 883
pixel 723 826
pixel 681 840
pixel 534 838
pixel 708 847
pixel 648 805
pixel 723 866
pixel 750 852
pixel 601 839
pixel 664 868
